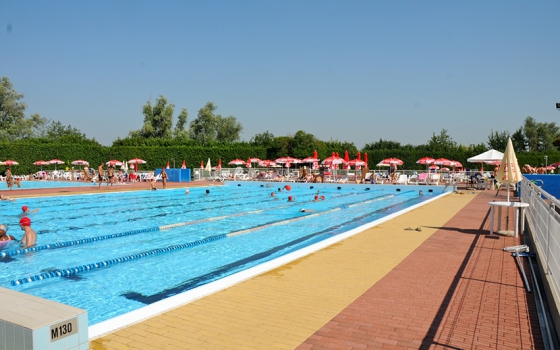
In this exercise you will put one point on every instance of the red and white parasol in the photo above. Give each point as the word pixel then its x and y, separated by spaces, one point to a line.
pixel 10 162
pixel 41 163
pixel 267 163
pixel 237 162
pixel 55 162
pixel 389 161
pixel 114 163
pixel 442 162
pixel 79 162
pixel 137 161
pixel 425 160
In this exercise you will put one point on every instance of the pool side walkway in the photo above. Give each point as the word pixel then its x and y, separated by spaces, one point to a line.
pixel 448 286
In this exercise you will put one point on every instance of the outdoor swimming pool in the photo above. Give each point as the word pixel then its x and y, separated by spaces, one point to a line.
pixel 46 184
pixel 113 253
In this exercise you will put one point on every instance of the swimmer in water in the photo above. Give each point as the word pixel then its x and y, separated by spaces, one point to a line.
pixel 291 199
pixel 187 192
pixel 26 210
pixel 4 237
pixel 303 210
pixel 29 238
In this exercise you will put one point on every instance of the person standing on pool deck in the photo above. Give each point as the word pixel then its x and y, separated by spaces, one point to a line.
pixel 9 180
pixel 110 175
pixel 100 170
pixel 29 238
pixel 164 177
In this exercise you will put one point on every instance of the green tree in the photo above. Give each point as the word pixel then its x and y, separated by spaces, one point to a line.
pixel 227 129
pixel 203 128
pixel 158 120
pixel 498 140
pixel 539 137
pixel 180 131
pixel 209 127
pixel 265 139
pixel 519 141
pixel 384 144
pixel 13 123
pixel 442 142
pixel 303 144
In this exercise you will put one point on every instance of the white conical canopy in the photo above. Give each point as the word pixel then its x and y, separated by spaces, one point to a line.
pixel 488 156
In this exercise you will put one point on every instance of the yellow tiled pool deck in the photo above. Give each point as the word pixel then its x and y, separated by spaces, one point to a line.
pixel 448 285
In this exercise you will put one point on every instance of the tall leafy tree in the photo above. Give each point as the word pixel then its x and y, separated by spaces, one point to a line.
pixel 498 140
pixel 303 144
pixel 158 120
pixel 519 141
pixel 209 127
pixel 227 129
pixel 441 142
pixel 265 139
pixel 203 128
pixel 14 124
pixel 180 131
pixel 539 136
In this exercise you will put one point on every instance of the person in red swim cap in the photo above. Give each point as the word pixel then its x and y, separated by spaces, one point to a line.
pixel 26 210
pixel 29 238
pixel 290 199
pixel 316 198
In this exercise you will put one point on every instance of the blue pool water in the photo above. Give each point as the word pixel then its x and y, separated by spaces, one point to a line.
pixel 46 184
pixel 112 253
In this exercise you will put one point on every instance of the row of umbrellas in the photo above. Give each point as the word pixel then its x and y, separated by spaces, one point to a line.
pixel 334 159
pixel 79 162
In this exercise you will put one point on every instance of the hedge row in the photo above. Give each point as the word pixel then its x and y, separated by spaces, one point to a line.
pixel 158 156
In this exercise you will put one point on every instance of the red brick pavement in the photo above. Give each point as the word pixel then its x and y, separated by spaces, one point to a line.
pixel 458 290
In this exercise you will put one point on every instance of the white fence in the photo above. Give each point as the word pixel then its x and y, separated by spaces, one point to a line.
pixel 543 219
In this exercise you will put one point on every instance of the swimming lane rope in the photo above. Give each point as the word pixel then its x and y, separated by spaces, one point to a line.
pixel 107 263
pixel 128 233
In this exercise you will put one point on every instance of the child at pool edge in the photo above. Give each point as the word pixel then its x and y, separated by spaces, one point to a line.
pixel 29 238
pixel 6 198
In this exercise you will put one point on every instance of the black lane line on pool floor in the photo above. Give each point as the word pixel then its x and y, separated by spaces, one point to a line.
pixel 236 266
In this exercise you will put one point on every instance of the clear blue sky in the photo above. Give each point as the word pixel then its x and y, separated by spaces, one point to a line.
pixel 355 71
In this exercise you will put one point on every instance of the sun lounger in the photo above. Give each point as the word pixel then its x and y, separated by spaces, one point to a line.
pixel 402 179
pixel 423 179
pixel 433 179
